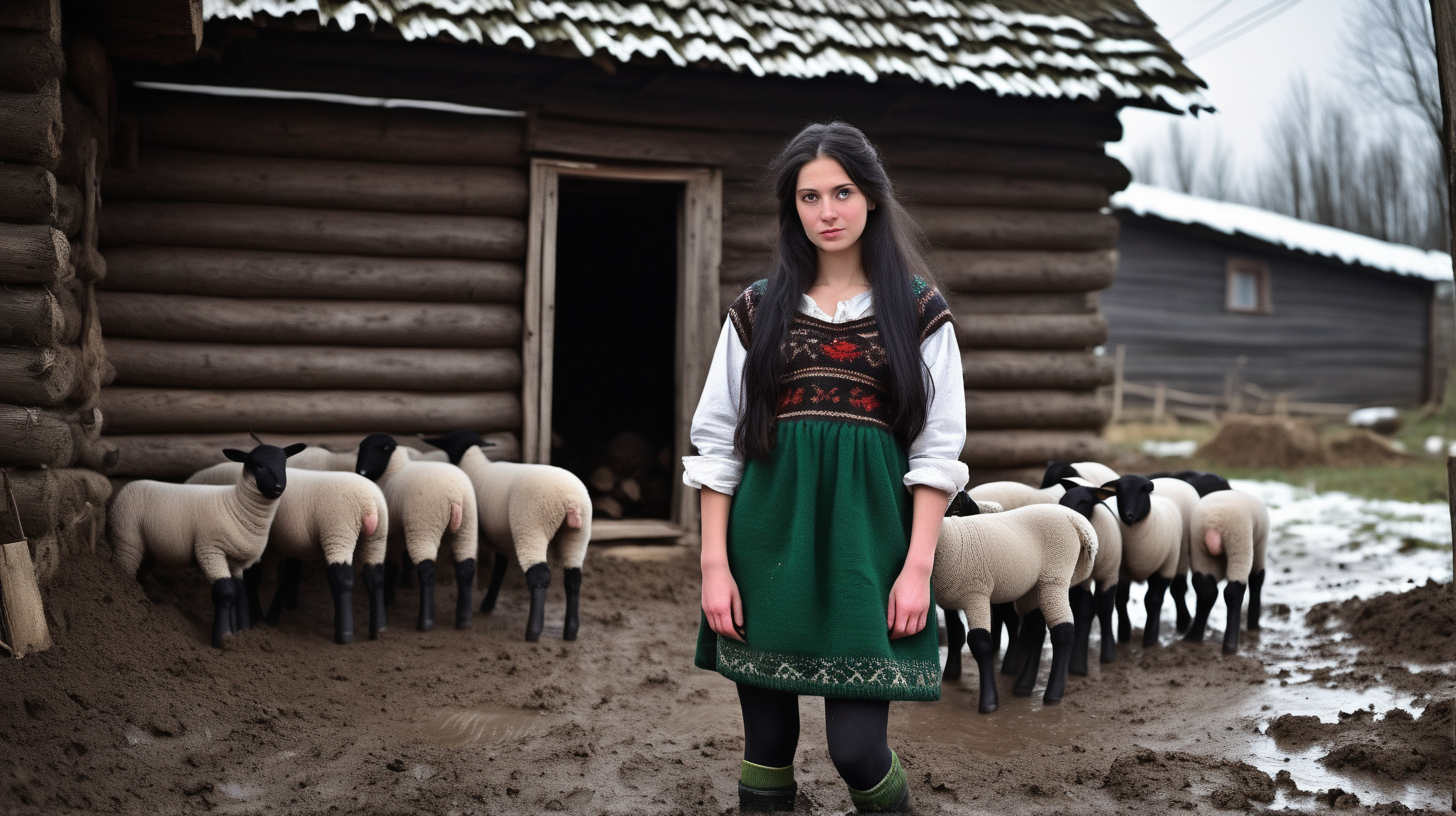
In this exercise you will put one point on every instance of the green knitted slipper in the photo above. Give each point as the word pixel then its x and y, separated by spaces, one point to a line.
pixel 766 790
pixel 891 795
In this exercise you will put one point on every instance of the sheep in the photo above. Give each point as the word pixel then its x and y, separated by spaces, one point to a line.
pixel 1185 496
pixel 1093 472
pixel 1152 538
pixel 1031 555
pixel 324 514
pixel 317 458
pixel 222 529
pixel 428 502
pixel 1229 532
pixel 1009 495
pixel 524 509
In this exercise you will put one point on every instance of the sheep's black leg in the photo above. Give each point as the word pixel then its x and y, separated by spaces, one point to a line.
pixel 406 571
pixel 1179 590
pixel 983 649
pixel 1005 613
pixel 538 577
pixel 341 584
pixel 1205 592
pixel 955 635
pixel 1124 624
pixel 1062 635
pixel 391 580
pixel 252 582
pixel 1084 609
pixel 224 594
pixel 1105 601
pixel 374 577
pixel 1256 593
pixel 1033 635
pixel 464 582
pixel 571 579
pixel 497 574
pixel 1233 599
pixel 242 617
pixel 293 575
pixel 1015 656
pixel 1153 602
pixel 426 570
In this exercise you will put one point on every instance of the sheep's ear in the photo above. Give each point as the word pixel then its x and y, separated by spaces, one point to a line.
pixel 235 455
pixel 1102 493
pixel 486 443
pixel 295 448
pixel 1068 484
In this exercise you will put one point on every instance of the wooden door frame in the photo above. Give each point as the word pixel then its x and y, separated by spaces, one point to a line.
pixel 699 252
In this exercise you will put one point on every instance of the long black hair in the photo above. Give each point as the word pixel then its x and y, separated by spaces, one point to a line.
pixel 892 253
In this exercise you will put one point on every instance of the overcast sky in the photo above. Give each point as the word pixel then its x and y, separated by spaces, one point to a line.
pixel 1248 75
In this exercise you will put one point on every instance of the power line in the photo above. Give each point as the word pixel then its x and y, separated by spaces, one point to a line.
pixel 1196 23
pixel 1228 34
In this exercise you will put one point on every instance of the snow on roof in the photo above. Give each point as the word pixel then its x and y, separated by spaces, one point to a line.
pixel 1290 233
pixel 1070 49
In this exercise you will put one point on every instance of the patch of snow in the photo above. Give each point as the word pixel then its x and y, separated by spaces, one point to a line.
pixel 1169 448
pixel 1434 445
pixel 1366 417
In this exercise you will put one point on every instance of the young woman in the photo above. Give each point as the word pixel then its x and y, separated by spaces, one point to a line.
pixel 829 435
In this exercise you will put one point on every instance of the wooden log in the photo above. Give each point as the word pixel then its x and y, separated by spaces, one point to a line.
pixel 69 503
pixel 1076 370
pixel 70 210
pixel 181 410
pixel 331 322
pixel 1090 165
pixel 1019 303
pixel 44 377
pixel 1028 448
pixel 246 273
pixel 31 126
pixel 87 259
pixel 37 316
pixel 188 175
pixel 1075 331
pixel 232 365
pixel 93 368
pixel 920 188
pixel 33 253
pixel 1005 228
pixel 176 456
pixel 165 31
pixel 29 60
pixel 247 226
pixel 34 437
pixel 32 15
pixel 326 131
pixel 27 193
pixel 1036 409
pixel 86 139
pixel 743 268
pixel 963 270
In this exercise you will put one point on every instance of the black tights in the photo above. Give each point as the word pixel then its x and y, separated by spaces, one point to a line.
pixel 856 730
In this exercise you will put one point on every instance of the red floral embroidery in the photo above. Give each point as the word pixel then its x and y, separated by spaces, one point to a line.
pixel 793 396
pixel 867 402
pixel 820 395
pixel 841 349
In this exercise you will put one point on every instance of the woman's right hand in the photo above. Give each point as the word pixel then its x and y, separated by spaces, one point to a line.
pixel 721 602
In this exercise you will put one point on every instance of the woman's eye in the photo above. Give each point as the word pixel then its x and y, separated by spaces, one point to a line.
pixel 810 198
pixel 843 194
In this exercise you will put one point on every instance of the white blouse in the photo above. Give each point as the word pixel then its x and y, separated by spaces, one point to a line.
pixel 934 455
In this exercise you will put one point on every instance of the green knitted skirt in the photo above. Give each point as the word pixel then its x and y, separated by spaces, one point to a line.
pixel 817 536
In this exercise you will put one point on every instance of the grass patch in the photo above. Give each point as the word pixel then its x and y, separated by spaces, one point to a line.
pixel 1423 480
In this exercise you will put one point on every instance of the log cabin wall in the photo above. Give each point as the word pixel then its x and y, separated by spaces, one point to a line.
pixel 310 272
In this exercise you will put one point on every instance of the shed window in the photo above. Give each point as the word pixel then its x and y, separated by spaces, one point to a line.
pixel 1248 287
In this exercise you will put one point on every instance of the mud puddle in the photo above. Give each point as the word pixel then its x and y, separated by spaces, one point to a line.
pixel 484 725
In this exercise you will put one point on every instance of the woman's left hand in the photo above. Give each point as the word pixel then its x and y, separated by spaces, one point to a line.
pixel 909 603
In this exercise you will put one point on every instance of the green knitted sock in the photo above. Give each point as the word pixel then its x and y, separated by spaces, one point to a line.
pixel 760 777
pixel 886 794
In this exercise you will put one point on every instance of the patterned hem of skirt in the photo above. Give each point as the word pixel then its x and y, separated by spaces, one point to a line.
pixel 866 678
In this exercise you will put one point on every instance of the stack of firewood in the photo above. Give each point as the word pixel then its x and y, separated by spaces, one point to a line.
pixel 56 98
pixel 627 477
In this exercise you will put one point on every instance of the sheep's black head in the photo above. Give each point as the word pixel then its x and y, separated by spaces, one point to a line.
pixel 1134 497
pixel 268 464
pixel 963 505
pixel 1083 498
pixel 1057 471
pixel 374 453
pixel 456 443
pixel 1206 483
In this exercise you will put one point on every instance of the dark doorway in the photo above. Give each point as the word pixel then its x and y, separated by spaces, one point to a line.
pixel 614 360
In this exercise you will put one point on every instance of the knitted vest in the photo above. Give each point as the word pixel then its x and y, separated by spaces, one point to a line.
pixel 837 371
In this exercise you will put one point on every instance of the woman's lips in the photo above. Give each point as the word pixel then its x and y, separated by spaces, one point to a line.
pixel 832 233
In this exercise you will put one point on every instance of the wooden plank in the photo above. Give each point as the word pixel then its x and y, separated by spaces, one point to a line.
pixel 540 262
pixel 701 237
pixel 627 529
pixel 982 331
pixel 327 131
pixel 232 365
pixel 248 226
pixel 1034 270
pixel 919 187
pixel 183 410
pixel 175 456
pixel 165 31
pixel 1022 303
pixel 1036 409
pixel 31 126
pixel 248 273
pixel 189 175
pixel 337 322
pixel 1028 448
pixel 1077 370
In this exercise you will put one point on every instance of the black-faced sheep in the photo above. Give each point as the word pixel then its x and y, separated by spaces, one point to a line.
pixel 1152 541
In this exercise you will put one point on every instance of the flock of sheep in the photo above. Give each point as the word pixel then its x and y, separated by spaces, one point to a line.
pixel 1057 557
pixel 310 504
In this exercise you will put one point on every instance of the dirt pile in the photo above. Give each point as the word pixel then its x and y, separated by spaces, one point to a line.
pixel 1264 442
pixel 1416 626
pixel 1362 448
pixel 1398 746
pixel 1150 777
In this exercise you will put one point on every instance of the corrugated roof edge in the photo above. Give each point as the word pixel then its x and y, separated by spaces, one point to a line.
pixel 1282 230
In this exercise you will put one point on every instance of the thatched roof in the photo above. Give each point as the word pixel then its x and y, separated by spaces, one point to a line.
pixel 1068 49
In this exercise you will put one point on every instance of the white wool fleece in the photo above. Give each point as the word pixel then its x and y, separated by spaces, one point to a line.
pixel 1185 496
pixel 429 503
pixel 223 529
pixel 1241 522
pixel 1152 545
pixel 525 508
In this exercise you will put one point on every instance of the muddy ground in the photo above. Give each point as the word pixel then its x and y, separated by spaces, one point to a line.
pixel 132 712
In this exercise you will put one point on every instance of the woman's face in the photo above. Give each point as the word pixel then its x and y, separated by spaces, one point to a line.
pixel 831 207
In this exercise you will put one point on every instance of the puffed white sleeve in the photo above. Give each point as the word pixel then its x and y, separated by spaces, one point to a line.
pixel 935 453
pixel 718 465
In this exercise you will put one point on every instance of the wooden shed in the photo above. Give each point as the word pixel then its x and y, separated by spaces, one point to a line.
pixel 1211 295
pixel 421 216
